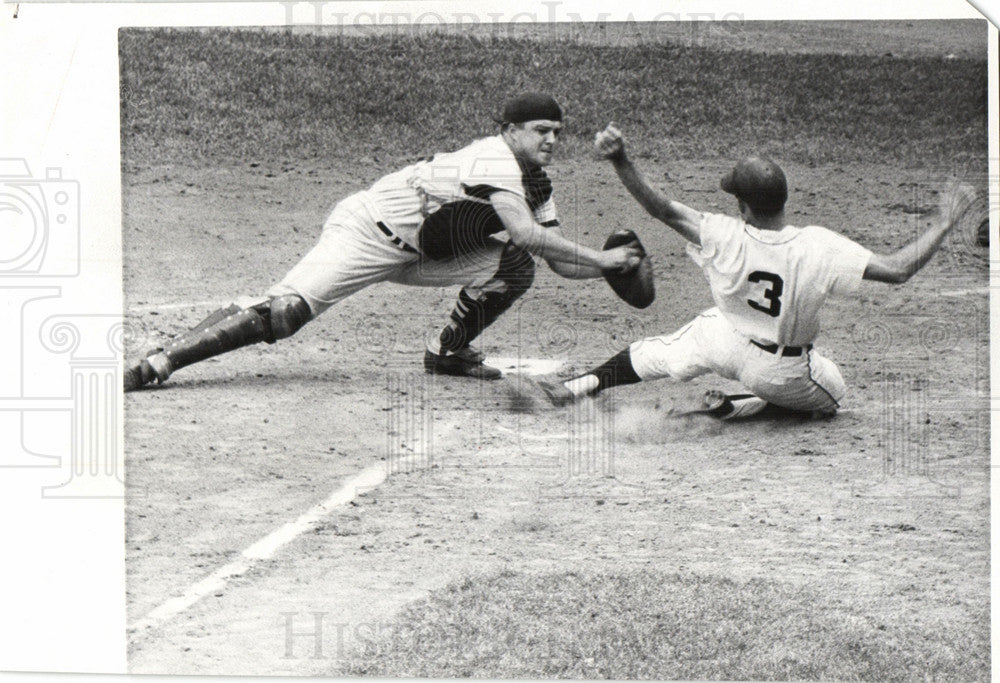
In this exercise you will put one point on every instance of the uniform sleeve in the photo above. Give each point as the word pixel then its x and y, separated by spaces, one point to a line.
pixel 546 216
pixel 843 260
pixel 488 172
pixel 715 231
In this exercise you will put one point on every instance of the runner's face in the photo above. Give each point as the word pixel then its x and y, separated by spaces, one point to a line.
pixel 534 141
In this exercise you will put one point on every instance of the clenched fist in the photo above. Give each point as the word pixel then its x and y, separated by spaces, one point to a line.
pixel 610 144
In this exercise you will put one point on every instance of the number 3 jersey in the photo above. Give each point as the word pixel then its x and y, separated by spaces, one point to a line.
pixel 771 284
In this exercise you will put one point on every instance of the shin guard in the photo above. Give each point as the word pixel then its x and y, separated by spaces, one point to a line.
pixel 224 330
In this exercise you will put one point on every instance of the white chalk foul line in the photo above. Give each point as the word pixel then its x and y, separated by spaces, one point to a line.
pixel 266 547
pixel 966 292
pixel 241 301
pixel 142 308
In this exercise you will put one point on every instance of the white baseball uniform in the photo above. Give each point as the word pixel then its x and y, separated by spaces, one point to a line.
pixel 390 232
pixel 768 287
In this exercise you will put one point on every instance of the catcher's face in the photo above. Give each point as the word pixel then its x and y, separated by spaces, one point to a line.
pixel 534 141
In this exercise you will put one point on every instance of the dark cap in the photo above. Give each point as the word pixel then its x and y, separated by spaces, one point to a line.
pixel 531 106
pixel 759 182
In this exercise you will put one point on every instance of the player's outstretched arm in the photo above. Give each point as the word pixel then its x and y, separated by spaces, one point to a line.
pixel 900 266
pixel 610 145
pixel 574 270
pixel 552 246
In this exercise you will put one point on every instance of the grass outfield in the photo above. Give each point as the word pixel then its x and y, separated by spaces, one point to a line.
pixel 232 96
pixel 223 98
pixel 917 38
pixel 650 625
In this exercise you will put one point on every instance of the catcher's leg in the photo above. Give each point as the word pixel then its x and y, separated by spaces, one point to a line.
pixel 477 308
pixel 224 330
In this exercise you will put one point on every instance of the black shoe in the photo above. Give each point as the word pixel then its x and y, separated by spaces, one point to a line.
pixel 558 394
pixel 138 375
pixel 143 372
pixel 466 362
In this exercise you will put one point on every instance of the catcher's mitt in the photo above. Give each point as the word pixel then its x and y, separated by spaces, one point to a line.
pixel 635 286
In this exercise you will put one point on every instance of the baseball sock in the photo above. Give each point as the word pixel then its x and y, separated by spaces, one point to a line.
pixel 613 372
pixel 467 321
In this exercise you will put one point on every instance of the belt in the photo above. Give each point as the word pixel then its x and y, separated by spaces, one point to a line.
pixel 395 240
pixel 785 350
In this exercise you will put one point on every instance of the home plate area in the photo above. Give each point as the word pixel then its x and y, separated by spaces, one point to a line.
pixel 527 366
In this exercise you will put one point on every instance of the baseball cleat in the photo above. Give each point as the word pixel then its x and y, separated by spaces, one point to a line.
pixel 155 366
pixel 713 402
pixel 139 375
pixel 465 362
pixel 558 394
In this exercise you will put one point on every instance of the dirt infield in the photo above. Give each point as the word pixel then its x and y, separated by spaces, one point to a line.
pixel 869 532
pixel 885 506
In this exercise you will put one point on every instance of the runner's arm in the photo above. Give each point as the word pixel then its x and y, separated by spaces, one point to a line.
pixel 901 265
pixel 686 221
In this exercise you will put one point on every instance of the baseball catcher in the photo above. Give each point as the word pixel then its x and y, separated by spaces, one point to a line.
pixel 769 281
pixel 477 217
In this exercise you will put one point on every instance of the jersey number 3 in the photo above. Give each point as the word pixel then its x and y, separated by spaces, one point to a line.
pixel 772 295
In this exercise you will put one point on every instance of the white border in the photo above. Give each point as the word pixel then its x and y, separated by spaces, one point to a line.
pixel 63 572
